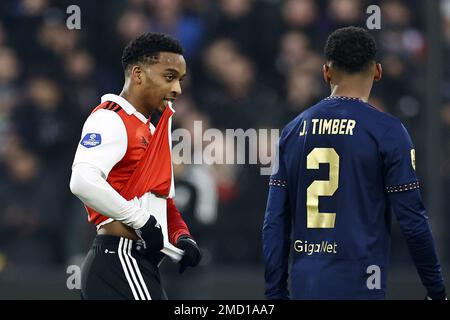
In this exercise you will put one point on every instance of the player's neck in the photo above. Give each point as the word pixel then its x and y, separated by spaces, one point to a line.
pixel 134 102
pixel 351 91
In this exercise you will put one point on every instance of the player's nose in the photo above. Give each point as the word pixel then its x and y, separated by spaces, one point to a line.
pixel 176 89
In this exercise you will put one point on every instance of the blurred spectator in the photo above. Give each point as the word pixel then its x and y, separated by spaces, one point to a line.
pixel 304 16
pixel 44 121
pixel 131 24
pixel 346 13
pixel 300 14
pixel 10 71
pixel 29 209
pixel 3 38
pixel 399 34
pixel 9 67
pixel 233 97
pixel 234 20
pixel 168 17
pixel 295 53
pixel 303 90
pixel 393 85
pixel 251 25
pixel 85 82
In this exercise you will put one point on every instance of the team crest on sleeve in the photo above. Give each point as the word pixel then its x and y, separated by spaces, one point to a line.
pixel 413 159
pixel 91 140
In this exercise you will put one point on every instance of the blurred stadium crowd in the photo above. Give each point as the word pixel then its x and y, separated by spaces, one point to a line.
pixel 251 64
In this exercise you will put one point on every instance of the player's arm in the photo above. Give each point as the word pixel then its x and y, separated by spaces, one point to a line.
pixel 402 189
pixel 180 236
pixel 94 159
pixel 276 235
pixel 176 225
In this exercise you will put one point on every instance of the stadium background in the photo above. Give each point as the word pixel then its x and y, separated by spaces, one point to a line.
pixel 252 64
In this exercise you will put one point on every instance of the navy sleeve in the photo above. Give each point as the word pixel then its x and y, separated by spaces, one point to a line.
pixel 402 187
pixel 276 234
pixel 411 215
pixel 398 156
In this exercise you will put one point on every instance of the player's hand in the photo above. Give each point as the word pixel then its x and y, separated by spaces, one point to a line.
pixel 192 254
pixel 151 233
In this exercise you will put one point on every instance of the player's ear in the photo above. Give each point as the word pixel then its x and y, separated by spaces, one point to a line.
pixel 136 74
pixel 378 72
pixel 326 73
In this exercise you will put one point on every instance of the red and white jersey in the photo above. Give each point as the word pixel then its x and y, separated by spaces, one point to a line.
pixel 114 139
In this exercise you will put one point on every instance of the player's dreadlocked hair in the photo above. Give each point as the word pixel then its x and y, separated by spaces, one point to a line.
pixel 351 49
pixel 146 48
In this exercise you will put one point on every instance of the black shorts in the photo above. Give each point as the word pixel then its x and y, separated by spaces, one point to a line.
pixel 119 268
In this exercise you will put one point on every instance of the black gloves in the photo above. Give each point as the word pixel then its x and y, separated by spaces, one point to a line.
pixel 192 254
pixel 151 233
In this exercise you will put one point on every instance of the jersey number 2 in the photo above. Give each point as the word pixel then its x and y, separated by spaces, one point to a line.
pixel 321 188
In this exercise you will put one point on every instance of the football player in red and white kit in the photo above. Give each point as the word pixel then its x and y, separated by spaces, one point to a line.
pixel 121 156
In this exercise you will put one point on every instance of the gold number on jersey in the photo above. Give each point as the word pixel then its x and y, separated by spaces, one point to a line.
pixel 321 188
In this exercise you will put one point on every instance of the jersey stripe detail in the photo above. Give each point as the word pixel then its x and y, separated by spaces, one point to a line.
pixel 117 108
pixel 113 106
pixel 108 105
pixel 278 183
pixel 403 187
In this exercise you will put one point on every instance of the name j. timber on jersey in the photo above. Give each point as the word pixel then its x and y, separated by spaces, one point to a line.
pixel 328 126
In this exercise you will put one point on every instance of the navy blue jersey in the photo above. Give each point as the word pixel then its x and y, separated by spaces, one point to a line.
pixel 329 203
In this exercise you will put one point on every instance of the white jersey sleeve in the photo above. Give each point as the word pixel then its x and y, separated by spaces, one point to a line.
pixel 103 141
pixel 103 144
pixel 88 184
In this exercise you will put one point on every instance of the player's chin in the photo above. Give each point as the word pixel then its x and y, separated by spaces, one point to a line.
pixel 161 107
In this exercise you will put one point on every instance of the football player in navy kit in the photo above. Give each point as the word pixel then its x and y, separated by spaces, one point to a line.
pixel 343 167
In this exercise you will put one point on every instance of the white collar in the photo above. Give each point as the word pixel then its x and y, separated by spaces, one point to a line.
pixel 128 107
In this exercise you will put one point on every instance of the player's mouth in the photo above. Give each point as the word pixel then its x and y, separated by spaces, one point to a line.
pixel 171 99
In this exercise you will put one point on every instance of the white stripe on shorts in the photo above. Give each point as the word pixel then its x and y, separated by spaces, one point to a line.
pixel 125 270
pixel 139 274
pixel 126 248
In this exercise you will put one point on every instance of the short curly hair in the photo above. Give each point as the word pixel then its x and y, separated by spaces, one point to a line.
pixel 351 49
pixel 146 48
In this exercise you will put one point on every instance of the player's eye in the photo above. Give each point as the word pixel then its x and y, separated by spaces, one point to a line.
pixel 170 77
